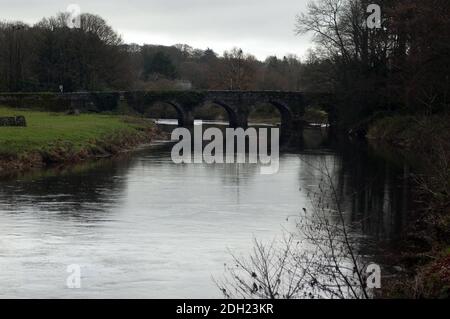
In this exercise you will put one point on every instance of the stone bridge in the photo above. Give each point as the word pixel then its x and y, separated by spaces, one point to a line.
pixel 237 104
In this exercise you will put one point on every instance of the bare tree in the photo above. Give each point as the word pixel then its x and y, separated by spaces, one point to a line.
pixel 238 69
pixel 270 272
pixel 320 261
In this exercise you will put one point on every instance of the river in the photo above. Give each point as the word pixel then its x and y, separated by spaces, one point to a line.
pixel 140 226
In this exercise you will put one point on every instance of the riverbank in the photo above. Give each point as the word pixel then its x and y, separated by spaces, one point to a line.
pixel 57 138
pixel 425 250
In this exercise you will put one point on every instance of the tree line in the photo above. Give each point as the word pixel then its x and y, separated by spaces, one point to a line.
pixel 93 57
pixel 401 67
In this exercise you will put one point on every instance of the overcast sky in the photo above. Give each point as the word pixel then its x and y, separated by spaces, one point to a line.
pixel 260 27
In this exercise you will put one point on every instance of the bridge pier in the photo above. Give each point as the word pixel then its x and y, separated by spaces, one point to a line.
pixel 186 119
pixel 241 121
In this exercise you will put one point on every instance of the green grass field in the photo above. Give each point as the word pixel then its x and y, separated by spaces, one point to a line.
pixel 44 130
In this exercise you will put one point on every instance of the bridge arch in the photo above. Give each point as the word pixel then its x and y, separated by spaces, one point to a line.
pixel 182 115
pixel 183 118
pixel 232 116
pixel 286 114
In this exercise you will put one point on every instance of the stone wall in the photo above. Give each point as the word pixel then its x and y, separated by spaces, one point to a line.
pixel 13 121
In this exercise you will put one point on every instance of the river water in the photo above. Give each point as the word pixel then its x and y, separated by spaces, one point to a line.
pixel 140 226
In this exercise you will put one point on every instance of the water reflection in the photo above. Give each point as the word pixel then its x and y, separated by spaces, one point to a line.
pixel 73 193
pixel 141 226
pixel 375 191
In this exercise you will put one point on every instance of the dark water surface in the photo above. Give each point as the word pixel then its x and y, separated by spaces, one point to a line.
pixel 141 226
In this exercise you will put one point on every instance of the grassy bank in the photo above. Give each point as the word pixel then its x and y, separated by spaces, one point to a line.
pixel 58 138
pixel 425 251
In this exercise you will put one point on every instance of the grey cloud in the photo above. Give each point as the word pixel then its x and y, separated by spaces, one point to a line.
pixel 262 27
